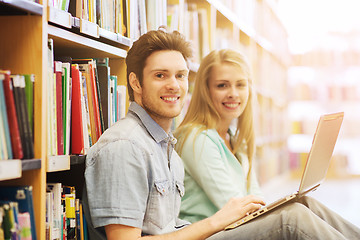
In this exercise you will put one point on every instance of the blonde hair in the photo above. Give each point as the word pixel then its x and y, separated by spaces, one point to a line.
pixel 202 113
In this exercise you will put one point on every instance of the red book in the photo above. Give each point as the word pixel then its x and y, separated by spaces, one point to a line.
pixel 59 107
pixel 77 134
pixel 12 117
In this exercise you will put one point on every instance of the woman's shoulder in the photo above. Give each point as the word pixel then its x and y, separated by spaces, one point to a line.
pixel 200 131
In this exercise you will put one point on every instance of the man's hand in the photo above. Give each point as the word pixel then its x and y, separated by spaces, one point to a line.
pixel 235 209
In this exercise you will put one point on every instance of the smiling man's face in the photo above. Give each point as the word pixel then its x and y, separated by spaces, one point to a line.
pixel 164 85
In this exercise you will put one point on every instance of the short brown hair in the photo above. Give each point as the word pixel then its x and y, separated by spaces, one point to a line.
pixel 149 43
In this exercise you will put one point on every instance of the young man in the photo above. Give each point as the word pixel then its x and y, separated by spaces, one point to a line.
pixel 134 178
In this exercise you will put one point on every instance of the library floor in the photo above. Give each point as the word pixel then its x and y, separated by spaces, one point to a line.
pixel 340 195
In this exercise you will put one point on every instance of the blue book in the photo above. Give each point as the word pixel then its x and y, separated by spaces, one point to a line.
pixel 4 119
pixel 24 196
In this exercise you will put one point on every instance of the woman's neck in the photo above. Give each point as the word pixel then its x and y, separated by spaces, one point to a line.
pixel 224 134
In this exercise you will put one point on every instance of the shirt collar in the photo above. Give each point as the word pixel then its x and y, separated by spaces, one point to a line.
pixel 150 125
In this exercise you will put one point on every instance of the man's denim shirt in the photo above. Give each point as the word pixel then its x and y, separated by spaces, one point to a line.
pixel 131 179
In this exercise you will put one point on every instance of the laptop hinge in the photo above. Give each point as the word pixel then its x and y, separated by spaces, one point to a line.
pixel 309 190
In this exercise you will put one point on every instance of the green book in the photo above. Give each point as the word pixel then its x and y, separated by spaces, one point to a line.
pixel 29 93
pixel 66 88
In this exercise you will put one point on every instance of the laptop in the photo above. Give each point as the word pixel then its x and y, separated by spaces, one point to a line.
pixel 316 167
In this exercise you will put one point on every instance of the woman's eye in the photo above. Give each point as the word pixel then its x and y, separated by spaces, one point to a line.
pixel 182 76
pixel 222 85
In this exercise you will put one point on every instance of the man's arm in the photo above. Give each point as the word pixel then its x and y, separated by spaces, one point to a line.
pixel 234 209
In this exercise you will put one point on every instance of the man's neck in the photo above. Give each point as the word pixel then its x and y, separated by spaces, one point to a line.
pixel 164 123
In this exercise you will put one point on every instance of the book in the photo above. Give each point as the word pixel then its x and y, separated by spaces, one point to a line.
pixel 8 224
pixel 70 211
pixel 85 66
pixel 59 107
pixel 29 93
pixel 23 195
pixel 112 107
pixel 12 117
pixel 81 219
pixel 95 97
pixel 22 115
pixel 49 214
pixel 24 226
pixel 66 85
pixel 66 93
pixel 51 106
pixel 4 125
pixel 78 221
pixel 86 116
pixel 55 189
pixel 101 118
pixel 125 18
pixel 77 129
pixel 3 151
pixel 103 74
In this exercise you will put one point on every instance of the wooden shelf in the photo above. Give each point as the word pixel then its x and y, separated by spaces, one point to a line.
pixel 72 44
pixel 77 159
pixel 30 164
pixel 10 169
pixel 20 7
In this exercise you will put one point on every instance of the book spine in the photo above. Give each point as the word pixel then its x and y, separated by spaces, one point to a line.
pixel 77 135
pixel 12 118
pixel 59 107
pixel 4 122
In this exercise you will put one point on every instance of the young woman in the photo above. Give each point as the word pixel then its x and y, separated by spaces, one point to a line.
pixel 216 142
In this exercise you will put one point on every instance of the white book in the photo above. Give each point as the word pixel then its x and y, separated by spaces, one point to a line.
pixel 56 189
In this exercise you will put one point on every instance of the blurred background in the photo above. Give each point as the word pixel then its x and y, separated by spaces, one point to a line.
pixel 305 58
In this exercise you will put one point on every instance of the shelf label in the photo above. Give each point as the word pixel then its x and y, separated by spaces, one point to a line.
pixel 58 163
pixel 89 28
pixel 124 40
pixel 59 17
pixel 108 34
pixel 10 169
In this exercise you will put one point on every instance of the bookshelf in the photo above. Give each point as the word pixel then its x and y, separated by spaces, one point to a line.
pixel 26 27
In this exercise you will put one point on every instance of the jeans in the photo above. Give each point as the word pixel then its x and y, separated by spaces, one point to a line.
pixel 304 219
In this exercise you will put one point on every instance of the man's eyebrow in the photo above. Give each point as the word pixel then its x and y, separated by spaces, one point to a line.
pixel 167 70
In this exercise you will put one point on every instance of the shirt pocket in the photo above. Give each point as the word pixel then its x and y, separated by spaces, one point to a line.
pixel 161 203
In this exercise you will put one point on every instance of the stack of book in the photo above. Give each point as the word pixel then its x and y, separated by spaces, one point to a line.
pixel 17 220
pixel 64 213
pixel 16 115
pixel 84 100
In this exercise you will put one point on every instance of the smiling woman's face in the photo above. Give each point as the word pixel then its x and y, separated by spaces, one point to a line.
pixel 229 91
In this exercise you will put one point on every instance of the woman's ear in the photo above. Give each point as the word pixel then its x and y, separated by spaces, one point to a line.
pixel 134 83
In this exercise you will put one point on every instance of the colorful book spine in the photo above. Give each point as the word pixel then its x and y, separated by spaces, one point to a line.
pixel 12 117
pixel 4 125
pixel 23 195
pixel 59 107
pixel 22 115
pixel 77 135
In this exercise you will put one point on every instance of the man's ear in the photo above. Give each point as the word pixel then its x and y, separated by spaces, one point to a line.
pixel 134 83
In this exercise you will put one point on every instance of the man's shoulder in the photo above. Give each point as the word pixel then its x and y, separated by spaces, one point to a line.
pixel 128 129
